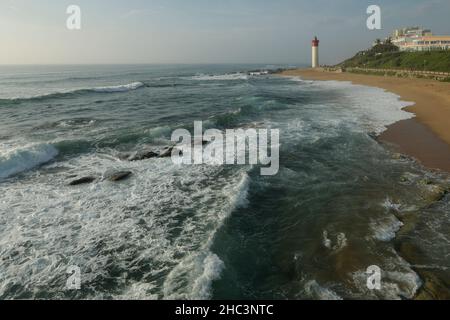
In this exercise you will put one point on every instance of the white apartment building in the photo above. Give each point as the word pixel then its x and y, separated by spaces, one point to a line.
pixel 419 39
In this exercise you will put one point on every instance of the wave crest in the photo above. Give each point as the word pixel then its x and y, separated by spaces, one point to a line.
pixel 119 88
pixel 67 93
pixel 22 159
pixel 221 77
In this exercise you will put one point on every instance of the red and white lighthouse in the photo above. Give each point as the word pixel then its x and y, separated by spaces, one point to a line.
pixel 315 53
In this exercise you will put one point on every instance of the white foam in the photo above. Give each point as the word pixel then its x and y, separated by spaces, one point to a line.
pixel 390 205
pixel 119 88
pixel 196 272
pixel 395 284
pixel 159 132
pixel 386 229
pixel 315 291
pixel 259 73
pixel 106 89
pixel 367 108
pixel 21 159
pixel 221 77
pixel 78 123
pixel 164 216
pixel 326 241
pixel 341 242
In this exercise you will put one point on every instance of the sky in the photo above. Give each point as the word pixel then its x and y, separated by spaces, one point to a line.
pixel 202 31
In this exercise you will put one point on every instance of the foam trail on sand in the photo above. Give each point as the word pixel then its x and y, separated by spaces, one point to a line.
pixel 368 108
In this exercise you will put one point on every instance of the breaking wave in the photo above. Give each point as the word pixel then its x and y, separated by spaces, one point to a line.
pixel 67 93
pixel 120 88
pixel 22 159
pixel 221 77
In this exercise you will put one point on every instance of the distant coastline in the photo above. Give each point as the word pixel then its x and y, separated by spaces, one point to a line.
pixel 427 137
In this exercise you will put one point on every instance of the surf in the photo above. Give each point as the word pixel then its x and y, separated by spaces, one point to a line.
pixel 22 159
pixel 123 88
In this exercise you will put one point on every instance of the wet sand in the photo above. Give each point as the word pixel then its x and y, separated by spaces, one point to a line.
pixel 427 137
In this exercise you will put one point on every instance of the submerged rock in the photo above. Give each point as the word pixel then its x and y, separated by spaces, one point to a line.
pixel 119 176
pixel 433 191
pixel 166 152
pixel 399 156
pixel 143 155
pixel 84 180
pixel 149 154
pixel 436 193
pixel 434 287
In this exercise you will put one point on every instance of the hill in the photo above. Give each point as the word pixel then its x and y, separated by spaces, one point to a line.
pixel 387 56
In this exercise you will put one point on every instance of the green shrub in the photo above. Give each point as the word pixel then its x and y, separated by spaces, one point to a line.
pixel 438 61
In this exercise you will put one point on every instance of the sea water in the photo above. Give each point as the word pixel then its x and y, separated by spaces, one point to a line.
pixel 337 206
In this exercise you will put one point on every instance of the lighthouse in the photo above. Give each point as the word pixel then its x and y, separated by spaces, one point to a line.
pixel 315 53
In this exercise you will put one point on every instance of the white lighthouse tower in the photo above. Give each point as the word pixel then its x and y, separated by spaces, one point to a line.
pixel 315 53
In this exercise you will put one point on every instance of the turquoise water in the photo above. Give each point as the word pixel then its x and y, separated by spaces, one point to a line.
pixel 335 208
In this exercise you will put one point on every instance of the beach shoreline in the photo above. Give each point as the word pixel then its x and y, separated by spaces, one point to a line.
pixel 425 137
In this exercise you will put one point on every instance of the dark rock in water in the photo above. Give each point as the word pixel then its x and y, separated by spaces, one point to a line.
pixel 399 156
pixel 435 192
pixel 119 176
pixel 200 140
pixel 84 180
pixel 166 152
pixel 142 156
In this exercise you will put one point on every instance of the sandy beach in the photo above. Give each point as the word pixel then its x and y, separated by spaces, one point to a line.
pixel 427 137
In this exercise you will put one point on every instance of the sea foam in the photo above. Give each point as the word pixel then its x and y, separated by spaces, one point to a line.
pixel 366 108
pixel 119 88
pixel 67 92
pixel 156 223
pixel 25 158
pixel 315 291
pixel 221 77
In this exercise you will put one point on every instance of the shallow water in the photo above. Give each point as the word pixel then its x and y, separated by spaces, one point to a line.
pixel 310 232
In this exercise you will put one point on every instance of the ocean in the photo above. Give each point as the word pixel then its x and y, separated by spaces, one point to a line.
pixel 340 203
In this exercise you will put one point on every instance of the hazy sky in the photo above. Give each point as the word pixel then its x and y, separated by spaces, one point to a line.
pixel 202 31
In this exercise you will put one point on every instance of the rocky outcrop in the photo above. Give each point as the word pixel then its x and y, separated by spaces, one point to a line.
pixel 84 180
pixel 149 154
pixel 114 176
pixel 143 155
pixel 119 176
pixel 166 153
pixel 434 192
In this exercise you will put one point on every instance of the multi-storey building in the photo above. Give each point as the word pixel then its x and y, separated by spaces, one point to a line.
pixel 419 39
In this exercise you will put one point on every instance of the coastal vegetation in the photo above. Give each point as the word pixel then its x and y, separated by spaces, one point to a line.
pixel 387 56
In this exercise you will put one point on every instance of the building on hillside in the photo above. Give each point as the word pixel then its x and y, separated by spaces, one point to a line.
pixel 419 39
